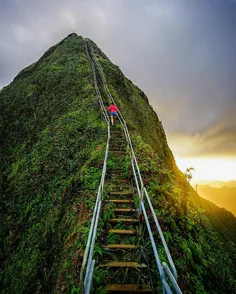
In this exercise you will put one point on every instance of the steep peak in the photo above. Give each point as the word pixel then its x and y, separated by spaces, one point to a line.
pixel 67 46
pixel 72 35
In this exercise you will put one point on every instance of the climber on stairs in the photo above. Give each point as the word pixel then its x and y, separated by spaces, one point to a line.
pixel 113 112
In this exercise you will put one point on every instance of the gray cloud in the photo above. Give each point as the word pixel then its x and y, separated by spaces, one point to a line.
pixel 217 140
pixel 180 52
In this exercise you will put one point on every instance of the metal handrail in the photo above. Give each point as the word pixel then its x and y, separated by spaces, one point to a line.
pixel 142 192
pixel 88 262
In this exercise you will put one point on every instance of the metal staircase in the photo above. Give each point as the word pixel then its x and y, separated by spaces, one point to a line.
pixel 125 267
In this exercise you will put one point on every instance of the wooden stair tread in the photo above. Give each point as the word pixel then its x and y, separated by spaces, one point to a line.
pixel 139 288
pixel 121 201
pixel 115 174
pixel 120 246
pixel 124 264
pixel 119 151
pixel 124 220
pixel 123 232
pixel 124 210
pixel 119 180
pixel 121 210
pixel 121 192
pixel 120 146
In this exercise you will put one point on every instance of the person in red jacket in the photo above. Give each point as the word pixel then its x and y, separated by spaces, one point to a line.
pixel 113 112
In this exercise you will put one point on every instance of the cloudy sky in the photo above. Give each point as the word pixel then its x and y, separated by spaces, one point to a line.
pixel 181 53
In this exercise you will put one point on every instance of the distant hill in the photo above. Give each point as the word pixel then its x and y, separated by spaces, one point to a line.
pixel 223 197
pixel 216 184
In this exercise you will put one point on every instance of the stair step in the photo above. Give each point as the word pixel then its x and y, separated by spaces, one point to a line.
pixel 120 210
pixel 116 176
pixel 123 232
pixel 116 173
pixel 121 193
pixel 124 264
pixel 128 288
pixel 119 181
pixel 121 201
pixel 120 246
pixel 117 152
pixel 126 210
pixel 118 134
pixel 118 146
pixel 123 220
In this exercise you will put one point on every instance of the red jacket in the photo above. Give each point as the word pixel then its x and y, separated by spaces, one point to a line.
pixel 113 108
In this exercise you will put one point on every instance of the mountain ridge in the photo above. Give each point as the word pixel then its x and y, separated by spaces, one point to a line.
pixel 223 197
pixel 214 183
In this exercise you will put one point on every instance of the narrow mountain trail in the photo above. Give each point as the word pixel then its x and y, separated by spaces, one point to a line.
pixel 116 259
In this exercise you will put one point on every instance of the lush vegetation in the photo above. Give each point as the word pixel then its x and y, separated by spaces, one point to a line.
pixel 52 146
pixel 197 250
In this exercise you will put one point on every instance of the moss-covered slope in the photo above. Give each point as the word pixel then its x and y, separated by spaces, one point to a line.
pixel 52 146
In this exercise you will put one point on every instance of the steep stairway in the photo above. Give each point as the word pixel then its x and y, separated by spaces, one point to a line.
pixel 117 255
pixel 125 270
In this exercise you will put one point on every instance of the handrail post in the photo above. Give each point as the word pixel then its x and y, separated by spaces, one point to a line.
pixel 141 199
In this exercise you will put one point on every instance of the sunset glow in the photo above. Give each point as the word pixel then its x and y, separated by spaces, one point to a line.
pixel 222 169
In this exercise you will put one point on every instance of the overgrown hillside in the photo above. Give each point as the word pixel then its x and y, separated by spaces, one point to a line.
pixel 52 141
pixel 52 146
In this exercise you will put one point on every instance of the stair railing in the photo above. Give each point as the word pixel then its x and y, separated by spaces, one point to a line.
pixel 163 268
pixel 88 264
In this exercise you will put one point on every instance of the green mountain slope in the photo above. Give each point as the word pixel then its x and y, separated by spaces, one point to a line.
pixel 52 147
